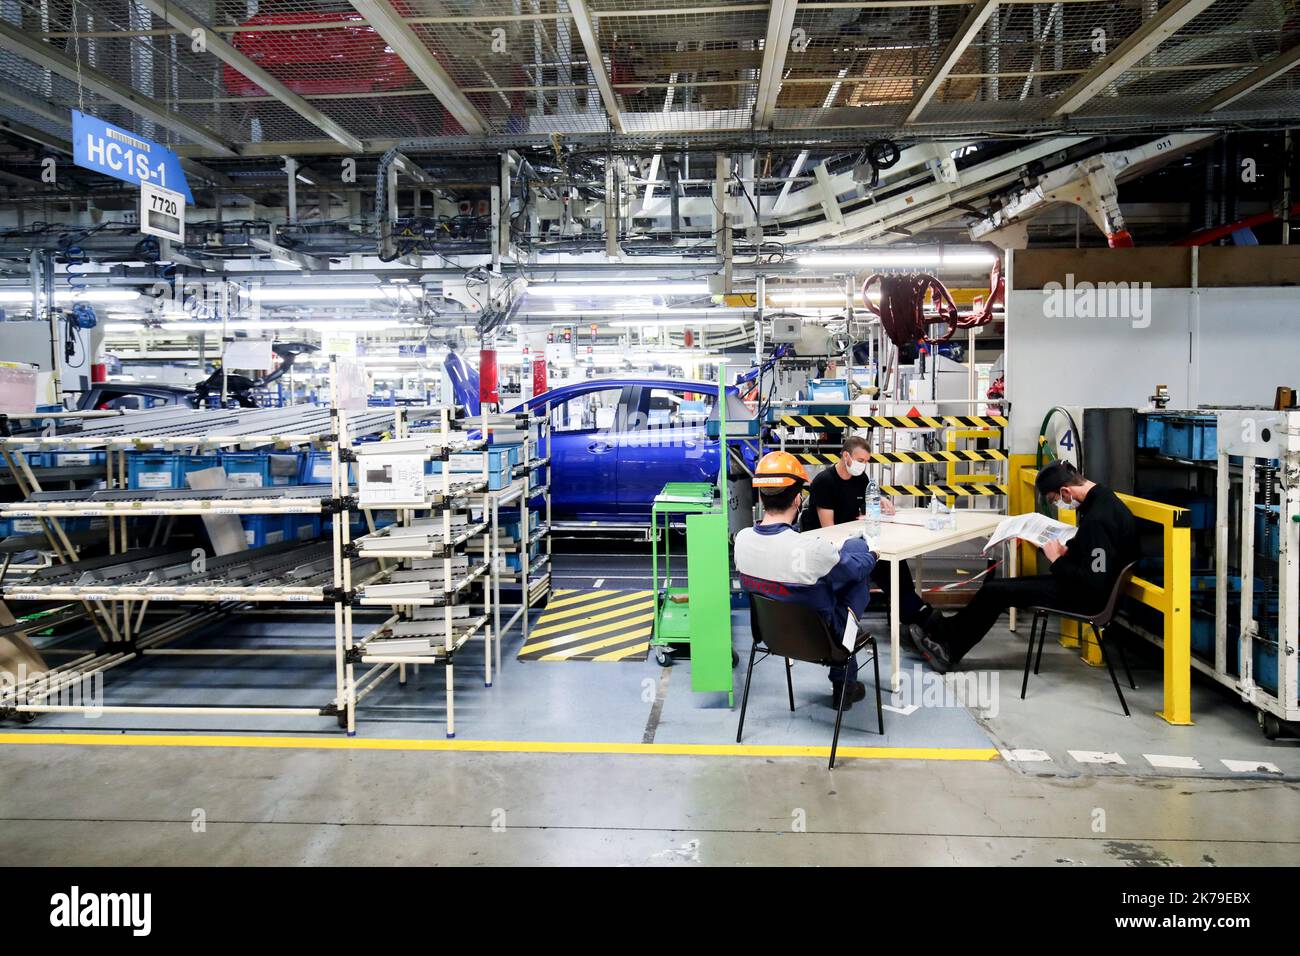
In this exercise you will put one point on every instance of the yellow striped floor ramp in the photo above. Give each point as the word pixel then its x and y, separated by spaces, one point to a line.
pixel 586 625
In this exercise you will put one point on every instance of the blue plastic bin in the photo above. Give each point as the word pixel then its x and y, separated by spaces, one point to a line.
pixel 1266 530
pixel 1192 438
pixel 302 527
pixel 1151 431
pixel 33 525
pixel 283 468
pixel 185 464
pixel 150 471
pixel 70 459
pixel 471 463
pixel 260 530
pixel 250 469
pixel 315 468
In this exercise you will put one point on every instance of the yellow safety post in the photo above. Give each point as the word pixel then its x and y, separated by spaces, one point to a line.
pixel 1173 599
pixel 1177 541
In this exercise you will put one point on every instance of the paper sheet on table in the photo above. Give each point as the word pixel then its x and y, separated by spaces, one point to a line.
pixel 913 516
pixel 1035 528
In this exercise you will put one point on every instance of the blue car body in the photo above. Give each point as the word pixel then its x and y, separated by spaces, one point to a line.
pixel 611 470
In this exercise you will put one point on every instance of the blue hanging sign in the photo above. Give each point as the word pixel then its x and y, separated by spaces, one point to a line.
pixel 115 152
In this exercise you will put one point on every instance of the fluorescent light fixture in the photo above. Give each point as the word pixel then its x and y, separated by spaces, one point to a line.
pixel 62 297
pixel 679 357
pixel 900 259
pixel 656 312
pixel 292 294
pixel 263 325
pixel 612 290
pixel 794 296
pixel 662 322
pixel 882 259
pixel 979 258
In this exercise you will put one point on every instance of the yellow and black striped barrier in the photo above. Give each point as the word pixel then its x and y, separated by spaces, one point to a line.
pixel 943 491
pixel 586 625
pixel 893 421
pixel 910 457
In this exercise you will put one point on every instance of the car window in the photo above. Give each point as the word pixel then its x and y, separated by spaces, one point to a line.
pixel 587 412
pixel 668 408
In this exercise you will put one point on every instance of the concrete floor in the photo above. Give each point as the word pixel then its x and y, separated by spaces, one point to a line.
pixel 70 803
pixel 129 806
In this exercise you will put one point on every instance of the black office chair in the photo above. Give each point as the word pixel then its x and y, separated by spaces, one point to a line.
pixel 1098 622
pixel 798 633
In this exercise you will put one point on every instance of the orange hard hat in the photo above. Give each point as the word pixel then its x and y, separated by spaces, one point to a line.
pixel 777 470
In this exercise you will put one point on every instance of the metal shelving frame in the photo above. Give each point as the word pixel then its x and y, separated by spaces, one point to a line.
pixel 117 593
pixel 1268 445
pixel 383 649
pixel 533 576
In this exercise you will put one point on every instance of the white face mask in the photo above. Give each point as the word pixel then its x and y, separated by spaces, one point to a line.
pixel 857 467
pixel 1063 505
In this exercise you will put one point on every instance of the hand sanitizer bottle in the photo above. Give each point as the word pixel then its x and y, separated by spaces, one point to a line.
pixel 932 520
pixel 871 509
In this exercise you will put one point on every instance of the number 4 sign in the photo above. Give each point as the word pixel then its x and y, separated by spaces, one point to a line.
pixel 162 213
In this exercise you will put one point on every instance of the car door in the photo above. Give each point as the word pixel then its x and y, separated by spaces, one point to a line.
pixel 664 441
pixel 584 453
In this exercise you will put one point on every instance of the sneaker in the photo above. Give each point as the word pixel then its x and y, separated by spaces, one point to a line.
pixel 931 650
pixel 857 691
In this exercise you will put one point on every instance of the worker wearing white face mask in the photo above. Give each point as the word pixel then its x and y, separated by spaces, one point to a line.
pixel 1080 578
pixel 837 495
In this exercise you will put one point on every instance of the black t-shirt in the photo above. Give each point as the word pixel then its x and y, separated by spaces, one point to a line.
pixel 845 497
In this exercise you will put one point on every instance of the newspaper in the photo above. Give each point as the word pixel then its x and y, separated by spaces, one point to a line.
pixel 1035 528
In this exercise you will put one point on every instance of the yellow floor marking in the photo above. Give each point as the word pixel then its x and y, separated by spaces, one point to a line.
pixel 494 746
pixel 629 597
pixel 604 642
pixel 565 598
pixel 619 655
pixel 534 646
pixel 646 604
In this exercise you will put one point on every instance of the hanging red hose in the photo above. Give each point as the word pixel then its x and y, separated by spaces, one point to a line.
pixel 902 305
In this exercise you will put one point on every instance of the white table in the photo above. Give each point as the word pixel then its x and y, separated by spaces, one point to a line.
pixel 898 542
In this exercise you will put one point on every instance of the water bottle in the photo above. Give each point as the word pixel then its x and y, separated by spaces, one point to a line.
pixel 933 522
pixel 871 508
pixel 951 514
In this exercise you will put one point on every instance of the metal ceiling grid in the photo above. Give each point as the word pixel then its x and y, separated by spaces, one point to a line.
pixel 511 59
pixel 672 60
pixel 1222 44
pixel 1278 97
pixel 325 52
pixel 117 38
pixel 1029 52
pixel 871 56
pixel 665 66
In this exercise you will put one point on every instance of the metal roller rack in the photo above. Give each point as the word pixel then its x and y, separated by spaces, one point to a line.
pixel 534 575
pixel 1254 457
pixel 121 591
pixel 428 574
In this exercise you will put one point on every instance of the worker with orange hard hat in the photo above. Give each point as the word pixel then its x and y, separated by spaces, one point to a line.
pixel 777 562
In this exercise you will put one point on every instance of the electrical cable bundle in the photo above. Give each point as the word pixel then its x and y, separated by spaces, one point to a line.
pixel 902 305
